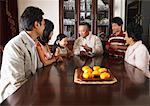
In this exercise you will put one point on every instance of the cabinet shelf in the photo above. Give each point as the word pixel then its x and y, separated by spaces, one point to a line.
pixel 72 13
pixel 68 24
pixel 101 25
pixel 86 11
pixel 102 10
pixel 69 11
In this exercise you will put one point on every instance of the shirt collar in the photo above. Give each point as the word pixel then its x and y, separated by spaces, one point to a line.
pixel 120 34
pixel 88 36
pixel 32 42
pixel 136 44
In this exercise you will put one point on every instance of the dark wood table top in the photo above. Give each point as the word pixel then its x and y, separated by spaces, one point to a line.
pixel 54 86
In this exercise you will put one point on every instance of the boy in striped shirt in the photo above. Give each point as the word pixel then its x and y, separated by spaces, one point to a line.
pixel 116 42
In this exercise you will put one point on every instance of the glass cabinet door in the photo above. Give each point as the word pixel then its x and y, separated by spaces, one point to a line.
pixel 97 13
pixel 85 11
pixel 103 18
pixel 69 19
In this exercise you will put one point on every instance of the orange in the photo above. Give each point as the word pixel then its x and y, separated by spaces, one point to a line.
pixel 96 67
pixel 104 75
pixel 88 70
pixel 85 68
pixel 95 73
pixel 86 75
pixel 91 76
pixel 101 70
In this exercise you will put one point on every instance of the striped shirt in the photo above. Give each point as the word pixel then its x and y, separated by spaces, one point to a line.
pixel 116 40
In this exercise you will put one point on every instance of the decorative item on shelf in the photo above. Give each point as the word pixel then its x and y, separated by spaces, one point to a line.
pixel 138 19
pixel 69 32
pixel 82 6
pixel 88 5
pixel 69 21
pixel 88 21
pixel 104 21
pixel 106 7
pixel 102 5
pixel 69 5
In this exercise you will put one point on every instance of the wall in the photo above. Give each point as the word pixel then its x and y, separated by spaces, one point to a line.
pixel 119 9
pixel 49 7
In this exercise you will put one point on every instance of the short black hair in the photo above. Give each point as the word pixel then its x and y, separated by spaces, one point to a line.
pixel 135 31
pixel 29 16
pixel 117 20
pixel 49 27
pixel 86 24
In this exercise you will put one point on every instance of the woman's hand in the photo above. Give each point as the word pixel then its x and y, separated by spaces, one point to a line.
pixel 58 58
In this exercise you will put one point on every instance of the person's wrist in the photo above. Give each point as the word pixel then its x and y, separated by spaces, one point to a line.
pixel 90 49
pixel 54 58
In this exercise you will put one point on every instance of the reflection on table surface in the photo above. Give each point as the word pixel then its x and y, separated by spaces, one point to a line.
pixel 53 85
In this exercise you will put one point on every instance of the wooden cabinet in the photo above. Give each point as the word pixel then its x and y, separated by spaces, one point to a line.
pixel 97 13
pixel 8 20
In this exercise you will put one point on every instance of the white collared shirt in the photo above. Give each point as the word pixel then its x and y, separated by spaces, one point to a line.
pixel 34 54
pixel 138 56
pixel 92 41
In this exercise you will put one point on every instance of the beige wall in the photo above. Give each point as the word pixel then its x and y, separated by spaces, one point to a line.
pixel 119 9
pixel 49 7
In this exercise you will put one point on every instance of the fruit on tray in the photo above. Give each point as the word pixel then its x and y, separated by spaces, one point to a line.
pixel 85 68
pixel 96 68
pixel 104 75
pixel 95 71
pixel 87 75
pixel 101 70
pixel 88 70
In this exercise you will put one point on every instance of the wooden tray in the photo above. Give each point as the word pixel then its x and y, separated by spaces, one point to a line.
pixel 96 80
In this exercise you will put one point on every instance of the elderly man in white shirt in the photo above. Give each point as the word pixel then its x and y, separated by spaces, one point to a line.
pixel 87 44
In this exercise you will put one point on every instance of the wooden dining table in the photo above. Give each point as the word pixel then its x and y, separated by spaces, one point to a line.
pixel 54 85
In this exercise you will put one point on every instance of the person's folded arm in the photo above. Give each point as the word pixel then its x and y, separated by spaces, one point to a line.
pixel 98 49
